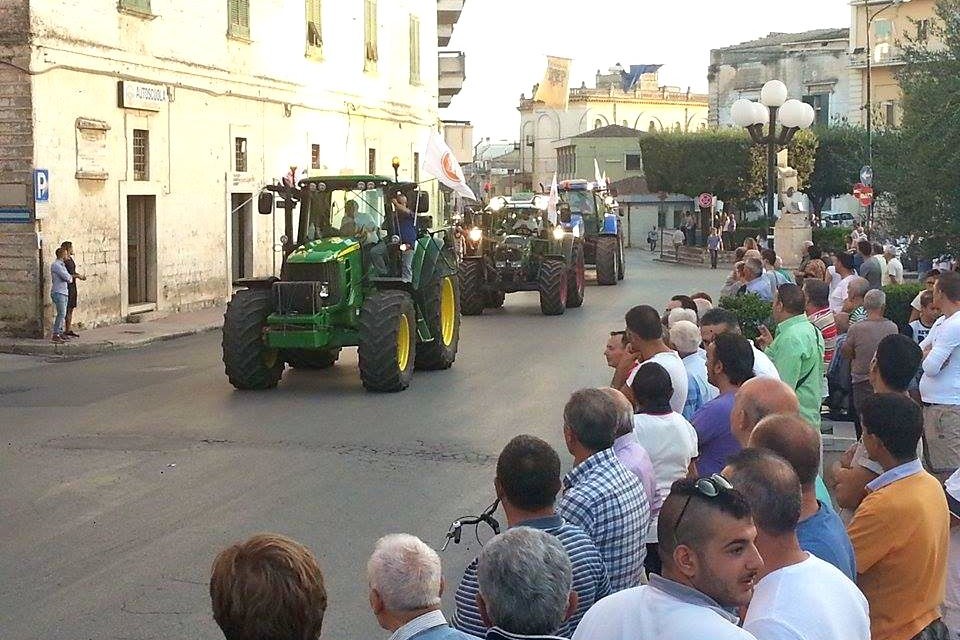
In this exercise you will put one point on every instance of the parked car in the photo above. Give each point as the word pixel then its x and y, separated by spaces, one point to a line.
pixel 837 219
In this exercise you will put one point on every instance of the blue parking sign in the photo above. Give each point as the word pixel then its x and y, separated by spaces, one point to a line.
pixel 41 185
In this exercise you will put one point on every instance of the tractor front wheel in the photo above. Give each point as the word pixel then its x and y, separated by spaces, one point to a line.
pixel 576 279
pixel 311 358
pixel 441 308
pixel 553 287
pixel 248 362
pixel 608 250
pixel 472 298
pixel 388 341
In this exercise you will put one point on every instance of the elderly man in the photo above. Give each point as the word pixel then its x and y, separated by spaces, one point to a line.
pixel 710 563
pixel 631 453
pixel 602 496
pixel 527 481
pixel 405 583
pixel 685 338
pixel 793 583
pixel 717 321
pixel 894 267
pixel 797 350
pixel 755 280
pixel 526 585
pixel 756 399
pixel 861 345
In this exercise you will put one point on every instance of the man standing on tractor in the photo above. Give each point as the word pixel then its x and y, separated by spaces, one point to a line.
pixel 407 223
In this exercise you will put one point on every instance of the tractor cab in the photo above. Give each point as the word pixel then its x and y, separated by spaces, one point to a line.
pixel 594 208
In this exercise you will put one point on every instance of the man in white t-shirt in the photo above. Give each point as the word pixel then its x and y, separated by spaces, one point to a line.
pixel 798 596
pixel 710 563
pixel 940 383
pixel 894 266
pixel 645 334
pixel 717 321
pixel 843 264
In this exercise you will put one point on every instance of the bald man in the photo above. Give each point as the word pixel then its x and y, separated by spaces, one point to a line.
pixel 820 530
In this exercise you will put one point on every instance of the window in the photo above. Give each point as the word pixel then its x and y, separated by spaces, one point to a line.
pixel 882 29
pixel 369 34
pixel 314 31
pixel 372 161
pixel 414 50
pixel 137 6
pixel 416 167
pixel 141 154
pixel 314 156
pixel 923 30
pixel 821 107
pixel 238 19
pixel 240 155
pixel 890 114
pixel 633 162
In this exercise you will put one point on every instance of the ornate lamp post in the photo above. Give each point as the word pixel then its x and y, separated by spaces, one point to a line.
pixel 793 115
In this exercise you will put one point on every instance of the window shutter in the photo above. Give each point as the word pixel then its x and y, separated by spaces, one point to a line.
pixel 238 12
pixel 370 30
pixel 414 50
pixel 136 5
pixel 314 29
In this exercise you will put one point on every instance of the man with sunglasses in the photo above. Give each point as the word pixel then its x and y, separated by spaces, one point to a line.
pixel 710 564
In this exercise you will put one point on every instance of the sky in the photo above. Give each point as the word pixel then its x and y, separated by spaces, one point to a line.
pixel 506 42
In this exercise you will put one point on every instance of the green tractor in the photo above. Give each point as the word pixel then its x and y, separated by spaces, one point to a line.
pixel 341 285
pixel 602 228
pixel 511 246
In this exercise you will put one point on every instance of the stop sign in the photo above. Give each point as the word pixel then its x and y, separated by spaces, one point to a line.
pixel 864 194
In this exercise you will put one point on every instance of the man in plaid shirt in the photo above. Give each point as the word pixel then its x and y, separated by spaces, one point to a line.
pixel 600 495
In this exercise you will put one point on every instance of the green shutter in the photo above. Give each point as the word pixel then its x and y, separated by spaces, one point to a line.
pixel 314 29
pixel 414 50
pixel 238 13
pixel 370 30
pixel 136 5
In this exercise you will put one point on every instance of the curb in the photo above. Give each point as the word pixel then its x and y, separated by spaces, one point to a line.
pixel 96 348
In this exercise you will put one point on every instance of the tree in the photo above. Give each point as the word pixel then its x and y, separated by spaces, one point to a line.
pixel 927 164
pixel 841 154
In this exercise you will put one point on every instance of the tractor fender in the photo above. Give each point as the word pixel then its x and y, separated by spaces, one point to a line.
pixel 611 224
pixel 256 283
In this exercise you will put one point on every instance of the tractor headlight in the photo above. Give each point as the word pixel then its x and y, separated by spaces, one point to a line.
pixel 496 204
pixel 558 233
pixel 475 234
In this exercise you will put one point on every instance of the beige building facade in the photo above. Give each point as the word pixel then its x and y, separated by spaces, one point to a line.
pixel 630 98
pixel 157 122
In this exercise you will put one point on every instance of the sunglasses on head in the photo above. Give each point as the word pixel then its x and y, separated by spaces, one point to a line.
pixel 709 487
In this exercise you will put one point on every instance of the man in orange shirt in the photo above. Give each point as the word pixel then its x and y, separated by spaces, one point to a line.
pixel 900 532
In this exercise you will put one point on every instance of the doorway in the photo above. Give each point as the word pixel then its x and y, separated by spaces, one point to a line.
pixel 141 250
pixel 241 232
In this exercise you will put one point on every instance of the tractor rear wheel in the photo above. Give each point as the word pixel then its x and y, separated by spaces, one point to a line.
pixel 553 287
pixel 607 252
pixel 441 308
pixel 248 362
pixel 576 279
pixel 311 358
pixel 472 297
pixel 388 341
pixel 495 299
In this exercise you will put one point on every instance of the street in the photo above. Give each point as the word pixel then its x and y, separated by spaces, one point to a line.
pixel 124 475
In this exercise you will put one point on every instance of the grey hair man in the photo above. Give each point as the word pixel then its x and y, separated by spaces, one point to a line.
pixel 754 280
pixel 853 311
pixel 681 313
pixel 406 582
pixel 861 345
pixel 631 453
pixel 894 266
pixel 685 337
pixel 526 583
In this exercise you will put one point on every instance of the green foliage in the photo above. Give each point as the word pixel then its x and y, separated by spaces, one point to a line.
pixel 714 161
pixel 751 312
pixel 899 297
pixel 925 182
pixel 842 152
pixel 831 239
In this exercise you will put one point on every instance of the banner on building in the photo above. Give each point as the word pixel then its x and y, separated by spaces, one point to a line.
pixel 554 91
pixel 439 161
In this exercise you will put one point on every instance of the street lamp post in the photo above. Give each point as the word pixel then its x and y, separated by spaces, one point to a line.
pixel 774 108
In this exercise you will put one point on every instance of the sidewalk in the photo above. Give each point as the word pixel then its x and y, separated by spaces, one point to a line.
pixel 118 337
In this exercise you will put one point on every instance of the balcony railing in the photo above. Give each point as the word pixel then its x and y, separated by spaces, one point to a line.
pixel 883 55
pixel 448 14
pixel 453 72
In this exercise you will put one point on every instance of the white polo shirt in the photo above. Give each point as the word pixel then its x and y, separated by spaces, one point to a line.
pixel 940 383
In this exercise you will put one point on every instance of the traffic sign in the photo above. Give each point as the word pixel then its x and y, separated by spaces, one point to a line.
pixel 866 175
pixel 863 193
pixel 41 185
pixel 705 200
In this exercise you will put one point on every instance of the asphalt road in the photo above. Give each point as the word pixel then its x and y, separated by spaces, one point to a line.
pixel 122 476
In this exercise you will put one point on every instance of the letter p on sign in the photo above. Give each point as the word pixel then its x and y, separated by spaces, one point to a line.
pixel 41 185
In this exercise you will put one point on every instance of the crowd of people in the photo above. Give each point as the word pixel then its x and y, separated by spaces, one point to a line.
pixel 696 504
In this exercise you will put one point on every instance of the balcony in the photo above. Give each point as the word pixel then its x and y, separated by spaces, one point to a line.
pixel 453 71
pixel 884 55
pixel 448 14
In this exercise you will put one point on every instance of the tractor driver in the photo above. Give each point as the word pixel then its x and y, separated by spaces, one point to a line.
pixel 407 221
pixel 367 231
pixel 527 221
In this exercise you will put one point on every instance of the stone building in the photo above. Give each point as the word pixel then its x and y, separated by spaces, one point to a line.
pixel 156 122
pixel 627 97
pixel 812 64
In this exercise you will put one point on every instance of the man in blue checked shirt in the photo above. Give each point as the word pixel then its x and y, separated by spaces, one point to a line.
pixel 600 495
pixel 527 482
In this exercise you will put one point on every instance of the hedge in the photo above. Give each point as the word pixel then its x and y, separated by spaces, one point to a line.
pixel 751 312
pixel 899 297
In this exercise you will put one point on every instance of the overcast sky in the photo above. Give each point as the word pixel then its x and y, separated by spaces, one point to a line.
pixel 506 41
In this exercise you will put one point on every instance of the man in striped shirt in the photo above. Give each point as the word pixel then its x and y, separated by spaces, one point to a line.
pixel 527 482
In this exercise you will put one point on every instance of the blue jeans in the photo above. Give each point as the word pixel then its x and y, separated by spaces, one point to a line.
pixel 60 304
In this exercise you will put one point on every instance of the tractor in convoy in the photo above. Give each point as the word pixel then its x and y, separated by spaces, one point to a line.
pixel 599 215
pixel 341 285
pixel 512 246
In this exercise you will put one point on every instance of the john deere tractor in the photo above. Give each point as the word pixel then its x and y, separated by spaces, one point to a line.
pixel 341 286
pixel 512 246
pixel 602 230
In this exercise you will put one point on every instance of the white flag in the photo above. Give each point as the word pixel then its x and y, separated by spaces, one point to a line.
pixel 597 175
pixel 552 201
pixel 439 161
